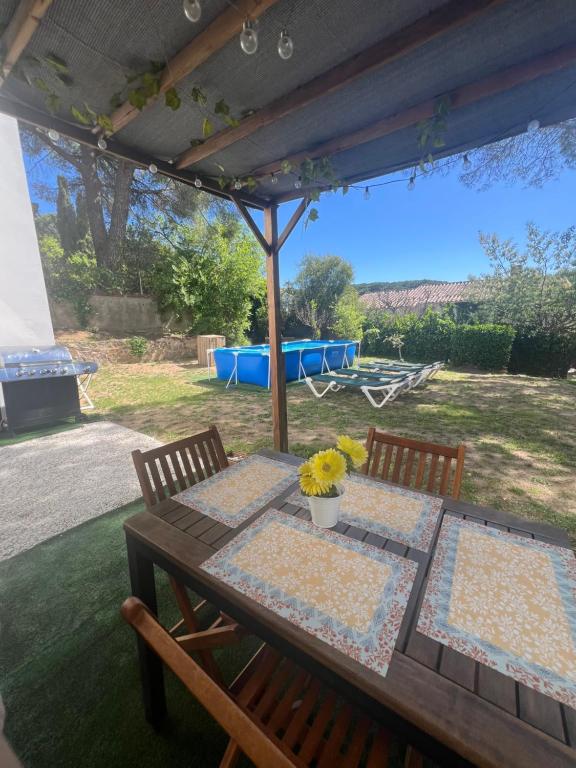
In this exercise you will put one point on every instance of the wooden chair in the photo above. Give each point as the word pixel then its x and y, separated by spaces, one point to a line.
pixel 275 713
pixel 163 472
pixel 415 464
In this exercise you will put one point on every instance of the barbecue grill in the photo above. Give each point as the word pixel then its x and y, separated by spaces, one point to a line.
pixel 41 385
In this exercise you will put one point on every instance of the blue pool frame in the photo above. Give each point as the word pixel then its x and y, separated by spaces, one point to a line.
pixel 251 365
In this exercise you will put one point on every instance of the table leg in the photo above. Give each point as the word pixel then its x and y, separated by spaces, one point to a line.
pixel 151 671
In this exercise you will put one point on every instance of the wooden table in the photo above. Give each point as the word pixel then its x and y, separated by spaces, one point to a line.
pixel 456 710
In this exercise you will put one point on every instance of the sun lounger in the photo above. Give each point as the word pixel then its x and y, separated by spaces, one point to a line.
pixel 388 387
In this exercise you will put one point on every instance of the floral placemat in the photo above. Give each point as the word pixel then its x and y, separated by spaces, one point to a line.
pixel 506 601
pixel 236 493
pixel 349 594
pixel 396 513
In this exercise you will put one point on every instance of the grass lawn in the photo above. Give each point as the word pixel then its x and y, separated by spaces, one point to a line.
pixel 520 431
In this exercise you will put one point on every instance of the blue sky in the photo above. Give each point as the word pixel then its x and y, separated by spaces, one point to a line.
pixel 429 232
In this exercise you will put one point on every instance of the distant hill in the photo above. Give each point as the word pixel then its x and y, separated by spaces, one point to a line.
pixel 399 285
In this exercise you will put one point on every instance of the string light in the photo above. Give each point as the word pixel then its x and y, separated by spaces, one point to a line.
pixel 237 184
pixel 366 193
pixel 153 168
pixel 285 45
pixel 533 126
pixel 412 183
pixel 53 135
pixel 466 162
pixel 197 182
pixel 192 10
pixel 274 179
pixel 102 143
pixel 298 183
pixel 249 38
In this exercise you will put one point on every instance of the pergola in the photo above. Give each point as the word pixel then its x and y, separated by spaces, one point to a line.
pixel 372 87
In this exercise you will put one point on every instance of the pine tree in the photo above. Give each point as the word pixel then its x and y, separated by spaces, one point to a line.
pixel 65 217
pixel 82 225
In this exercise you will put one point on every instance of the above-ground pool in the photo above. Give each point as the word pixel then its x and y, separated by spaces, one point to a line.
pixel 251 365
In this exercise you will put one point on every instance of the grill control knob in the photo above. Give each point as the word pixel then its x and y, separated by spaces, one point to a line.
pixel 64 370
pixel 53 371
pixel 86 370
pixel 19 373
pixel 31 372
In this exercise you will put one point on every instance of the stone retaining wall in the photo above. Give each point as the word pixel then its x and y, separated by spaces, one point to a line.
pixel 118 350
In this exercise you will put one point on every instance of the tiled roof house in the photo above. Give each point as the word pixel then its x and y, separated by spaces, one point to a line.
pixel 418 299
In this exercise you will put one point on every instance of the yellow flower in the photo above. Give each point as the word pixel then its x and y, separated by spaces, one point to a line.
pixel 308 483
pixel 328 466
pixel 353 448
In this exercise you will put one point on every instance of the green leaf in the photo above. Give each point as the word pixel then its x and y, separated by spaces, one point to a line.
pixel 312 216
pixel 116 100
pixel 56 63
pixel 438 142
pixel 172 99
pixel 223 182
pixel 285 166
pixel 345 189
pixel 251 183
pixel 105 123
pixel 230 121
pixel 79 116
pixel 52 102
pixel 198 96
pixel 196 142
pixel 314 195
pixel 156 67
pixel 220 167
pixel 207 128
pixel 137 99
pixel 221 108
pixel 41 85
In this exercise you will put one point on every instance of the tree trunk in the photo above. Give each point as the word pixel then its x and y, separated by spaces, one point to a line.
pixel 94 205
pixel 120 210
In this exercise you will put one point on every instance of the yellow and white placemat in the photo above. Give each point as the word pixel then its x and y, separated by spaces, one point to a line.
pixel 506 601
pixel 236 493
pixel 393 512
pixel 349 594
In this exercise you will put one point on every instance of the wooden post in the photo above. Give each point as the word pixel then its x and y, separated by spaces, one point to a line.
pixel 277 369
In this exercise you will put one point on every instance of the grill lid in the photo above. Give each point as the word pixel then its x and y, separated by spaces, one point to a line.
pixel 22 356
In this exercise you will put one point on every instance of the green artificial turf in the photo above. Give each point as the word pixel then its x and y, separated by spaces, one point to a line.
pixel 68 667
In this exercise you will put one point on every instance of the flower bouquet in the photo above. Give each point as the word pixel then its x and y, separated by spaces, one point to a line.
pixel 321 477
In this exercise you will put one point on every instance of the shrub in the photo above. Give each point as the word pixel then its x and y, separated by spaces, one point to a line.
pixel 486 346
pixel 542 354
pixel 138 345
pixel 370 341
pixel 426 338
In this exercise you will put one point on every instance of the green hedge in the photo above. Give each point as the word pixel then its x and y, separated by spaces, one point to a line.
pixel 542 354
pixel 426 338
pixel 486 346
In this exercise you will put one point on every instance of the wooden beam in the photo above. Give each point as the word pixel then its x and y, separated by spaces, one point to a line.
pixel 208 42
pixel 277 369
pixel 83 135
pixel 448 16
pixel 464 96
pixel 17 34
pixel 246 215
pixel 294 219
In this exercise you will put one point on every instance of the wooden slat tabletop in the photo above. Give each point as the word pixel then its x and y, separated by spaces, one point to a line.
pixel 458 710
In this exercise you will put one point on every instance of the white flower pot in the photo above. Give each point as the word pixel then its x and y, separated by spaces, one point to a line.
pixel 325 512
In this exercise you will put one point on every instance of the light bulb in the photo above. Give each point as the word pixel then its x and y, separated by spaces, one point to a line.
pixel 102 143
pixel 298 183
pixel 533 126
pixel 53 135
pixel 153 168
pixel 466 162
pixel 249 38
pixel 197 182
pixel 285 45
pixel 192 10
pixel 274 179
pixel 366 193
pixel 411 183
pixel 237 184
